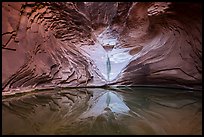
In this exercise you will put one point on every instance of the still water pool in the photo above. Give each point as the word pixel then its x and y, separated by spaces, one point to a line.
pixel 97 111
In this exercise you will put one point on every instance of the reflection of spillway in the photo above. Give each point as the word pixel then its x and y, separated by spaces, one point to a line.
pixel 108 101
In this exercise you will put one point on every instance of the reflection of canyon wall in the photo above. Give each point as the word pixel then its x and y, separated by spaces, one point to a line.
pixel 41 43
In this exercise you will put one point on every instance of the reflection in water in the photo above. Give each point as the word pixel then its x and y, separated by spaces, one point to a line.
pixel 109 101
pixel 100 111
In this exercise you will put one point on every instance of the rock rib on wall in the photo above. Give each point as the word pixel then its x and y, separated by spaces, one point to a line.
pixel 171 50
pixel 43 42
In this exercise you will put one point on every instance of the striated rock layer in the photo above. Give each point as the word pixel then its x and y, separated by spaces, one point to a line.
pixel 49 44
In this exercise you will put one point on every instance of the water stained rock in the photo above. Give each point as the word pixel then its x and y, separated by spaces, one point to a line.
pixel 49 44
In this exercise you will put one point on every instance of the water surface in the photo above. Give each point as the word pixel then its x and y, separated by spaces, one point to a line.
pixel 90 111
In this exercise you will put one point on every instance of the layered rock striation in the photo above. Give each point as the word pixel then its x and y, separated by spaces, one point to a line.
pixel 68 44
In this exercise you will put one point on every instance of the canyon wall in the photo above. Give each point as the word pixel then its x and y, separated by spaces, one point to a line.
pixel 77 44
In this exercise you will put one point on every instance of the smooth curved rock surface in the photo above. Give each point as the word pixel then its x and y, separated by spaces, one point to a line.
pixel 60 44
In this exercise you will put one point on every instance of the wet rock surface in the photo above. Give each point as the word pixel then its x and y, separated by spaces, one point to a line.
pixel 49 44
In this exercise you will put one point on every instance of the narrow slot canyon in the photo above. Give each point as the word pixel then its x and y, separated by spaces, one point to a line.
pixel 94 67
